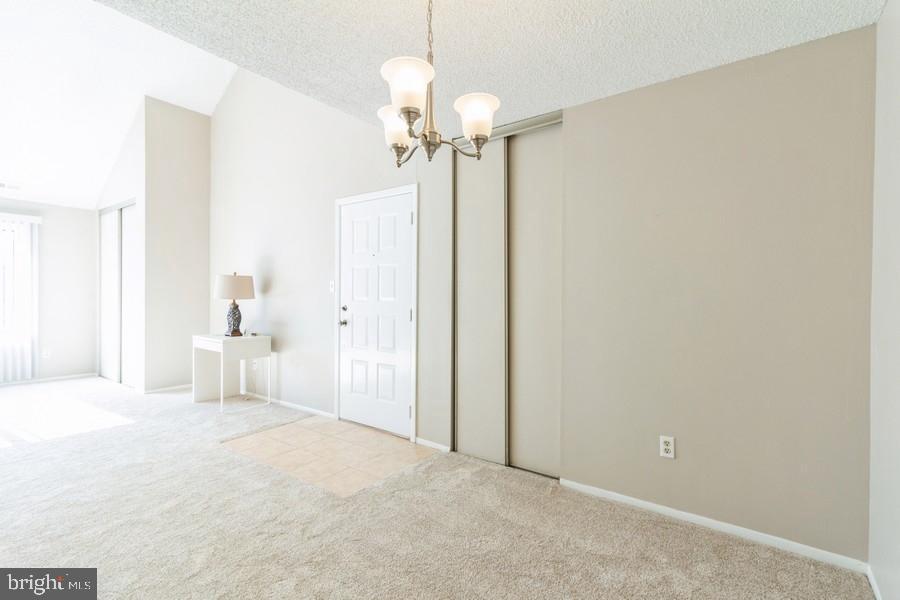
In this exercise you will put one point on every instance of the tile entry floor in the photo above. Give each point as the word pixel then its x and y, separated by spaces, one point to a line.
pixel 340 456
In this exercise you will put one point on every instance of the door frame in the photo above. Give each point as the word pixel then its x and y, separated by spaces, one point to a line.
pixel 412 188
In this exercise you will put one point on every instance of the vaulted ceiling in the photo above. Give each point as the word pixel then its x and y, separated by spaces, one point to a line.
pixel 536 55
pixel 72 76
pixel 73 71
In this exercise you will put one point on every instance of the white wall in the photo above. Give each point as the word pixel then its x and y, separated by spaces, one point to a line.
pixel 163 167
pixel 177 239
pixel 126 180
pixel 67 294
pixel 279 162
pixel 127 183
pixel 884 510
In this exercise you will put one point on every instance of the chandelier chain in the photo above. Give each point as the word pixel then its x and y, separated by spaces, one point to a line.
pixel 430 34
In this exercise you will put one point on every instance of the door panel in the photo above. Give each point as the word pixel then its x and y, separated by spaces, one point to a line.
pixel 110 299
pixel 376 275
pixel 535 299
pixel 481 304
pixel 132 298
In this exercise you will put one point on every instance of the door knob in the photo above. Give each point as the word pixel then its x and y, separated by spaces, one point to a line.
pixel 342 322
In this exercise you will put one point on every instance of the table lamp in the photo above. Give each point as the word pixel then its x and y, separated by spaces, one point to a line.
pixel 234 287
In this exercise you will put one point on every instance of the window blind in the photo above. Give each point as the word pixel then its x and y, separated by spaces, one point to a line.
pixel 18 296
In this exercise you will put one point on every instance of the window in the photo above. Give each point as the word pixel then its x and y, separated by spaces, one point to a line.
pixel 18 296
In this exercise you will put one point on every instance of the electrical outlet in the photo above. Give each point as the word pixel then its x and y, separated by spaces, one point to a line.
pixel 667 446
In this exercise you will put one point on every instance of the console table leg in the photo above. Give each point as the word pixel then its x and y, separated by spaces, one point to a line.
pixel 222 382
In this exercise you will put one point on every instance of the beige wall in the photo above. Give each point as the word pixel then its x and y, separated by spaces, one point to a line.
pixel 884 519
pixel 535 172
pixel 481 349
pixel 177 239
pixel 434 326
pixel 723 300
pixel 280 160
pixel 67 288
pixel 717 261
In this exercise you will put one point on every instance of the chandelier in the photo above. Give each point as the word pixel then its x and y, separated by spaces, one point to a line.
pixel 410 80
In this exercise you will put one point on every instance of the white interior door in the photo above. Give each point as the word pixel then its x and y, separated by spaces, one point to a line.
pixel 110 300
pixel 132 298
pixel 377 286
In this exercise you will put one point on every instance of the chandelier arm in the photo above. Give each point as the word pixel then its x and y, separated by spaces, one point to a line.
pixel 416 136
pixel 475 155
pixel 409 155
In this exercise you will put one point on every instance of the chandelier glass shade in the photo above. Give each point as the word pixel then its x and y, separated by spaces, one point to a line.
pixel 395 130
pixel 408 78
pixel 476 111
pixel 411 83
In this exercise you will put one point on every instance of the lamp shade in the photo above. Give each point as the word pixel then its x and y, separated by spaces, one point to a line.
pixel 395 130
pixel 408 78
pixel 234 287
pixel 476 111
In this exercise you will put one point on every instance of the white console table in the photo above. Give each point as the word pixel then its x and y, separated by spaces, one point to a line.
pixel 217 361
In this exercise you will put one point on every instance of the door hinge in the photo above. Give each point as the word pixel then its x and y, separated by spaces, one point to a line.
pixel 411 218
pixel 410 315
pixel 410 411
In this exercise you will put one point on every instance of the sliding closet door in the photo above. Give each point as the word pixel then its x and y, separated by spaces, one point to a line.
pixel 110 286
pixel 132 298
pixel 535 298
pixel 481 304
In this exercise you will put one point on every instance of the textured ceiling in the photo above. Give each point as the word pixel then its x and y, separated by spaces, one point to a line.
pixel 536 55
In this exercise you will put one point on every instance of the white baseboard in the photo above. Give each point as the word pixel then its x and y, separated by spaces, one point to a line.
pixel 315 411
pixel 430 444
pixel 48 379
pixel 872 583
pixel 171 388
pixel 825 556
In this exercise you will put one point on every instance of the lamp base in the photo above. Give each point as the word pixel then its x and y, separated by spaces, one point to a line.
pixel 233 320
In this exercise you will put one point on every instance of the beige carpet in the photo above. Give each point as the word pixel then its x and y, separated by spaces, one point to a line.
pixel 164 512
